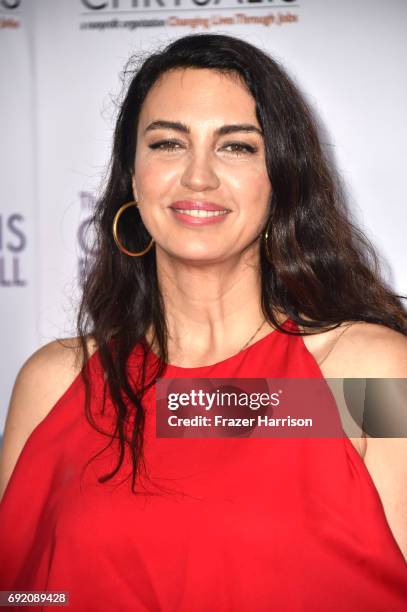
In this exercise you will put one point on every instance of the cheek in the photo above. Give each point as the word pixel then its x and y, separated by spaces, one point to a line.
pixel 252 187
pixel 260 184
pixel 152 178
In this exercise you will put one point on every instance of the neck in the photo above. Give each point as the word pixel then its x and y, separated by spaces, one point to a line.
pixel 212 310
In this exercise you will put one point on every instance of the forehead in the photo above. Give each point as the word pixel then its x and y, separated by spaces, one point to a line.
pixel 199 94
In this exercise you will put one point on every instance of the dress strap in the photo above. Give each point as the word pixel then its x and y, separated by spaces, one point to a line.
pixel 336 342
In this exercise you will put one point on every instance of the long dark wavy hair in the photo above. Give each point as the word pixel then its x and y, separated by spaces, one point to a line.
pixel 321 270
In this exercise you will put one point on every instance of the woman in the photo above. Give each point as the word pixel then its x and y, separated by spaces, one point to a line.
pixel 223 251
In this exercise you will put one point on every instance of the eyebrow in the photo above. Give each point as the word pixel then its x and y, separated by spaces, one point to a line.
pixel 221 131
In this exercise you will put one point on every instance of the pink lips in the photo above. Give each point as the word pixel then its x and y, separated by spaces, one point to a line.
pixel 198 205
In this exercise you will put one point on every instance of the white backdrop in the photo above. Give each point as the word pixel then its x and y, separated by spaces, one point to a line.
pixel 60 63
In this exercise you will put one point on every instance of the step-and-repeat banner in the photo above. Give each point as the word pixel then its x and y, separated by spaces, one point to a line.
pixel 60 64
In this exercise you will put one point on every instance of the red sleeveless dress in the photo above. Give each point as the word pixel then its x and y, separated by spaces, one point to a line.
pixel 284 525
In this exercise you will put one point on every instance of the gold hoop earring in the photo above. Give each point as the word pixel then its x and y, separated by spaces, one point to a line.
pixel 116 238
pixel 266 237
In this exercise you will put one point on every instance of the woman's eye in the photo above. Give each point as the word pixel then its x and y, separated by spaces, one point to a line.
pixel 240 148
pixel 165 145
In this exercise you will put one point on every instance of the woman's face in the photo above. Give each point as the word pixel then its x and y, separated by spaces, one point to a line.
pixel 199 143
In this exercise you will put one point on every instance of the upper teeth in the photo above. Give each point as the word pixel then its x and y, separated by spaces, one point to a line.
pixel 201 213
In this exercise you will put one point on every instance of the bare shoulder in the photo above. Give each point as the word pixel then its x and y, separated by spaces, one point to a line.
pixel 41 381
pixel 46 375
pixel 359 349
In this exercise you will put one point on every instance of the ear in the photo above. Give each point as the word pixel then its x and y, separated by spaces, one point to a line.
pixel 133 184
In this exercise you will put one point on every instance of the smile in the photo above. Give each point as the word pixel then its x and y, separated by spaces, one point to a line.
pixel 201 213
pixel 195 217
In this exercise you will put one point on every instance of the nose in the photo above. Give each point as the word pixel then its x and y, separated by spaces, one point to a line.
pixel 199 173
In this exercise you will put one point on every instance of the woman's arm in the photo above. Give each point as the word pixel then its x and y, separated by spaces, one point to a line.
pixel 372 351
pixel 41 381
